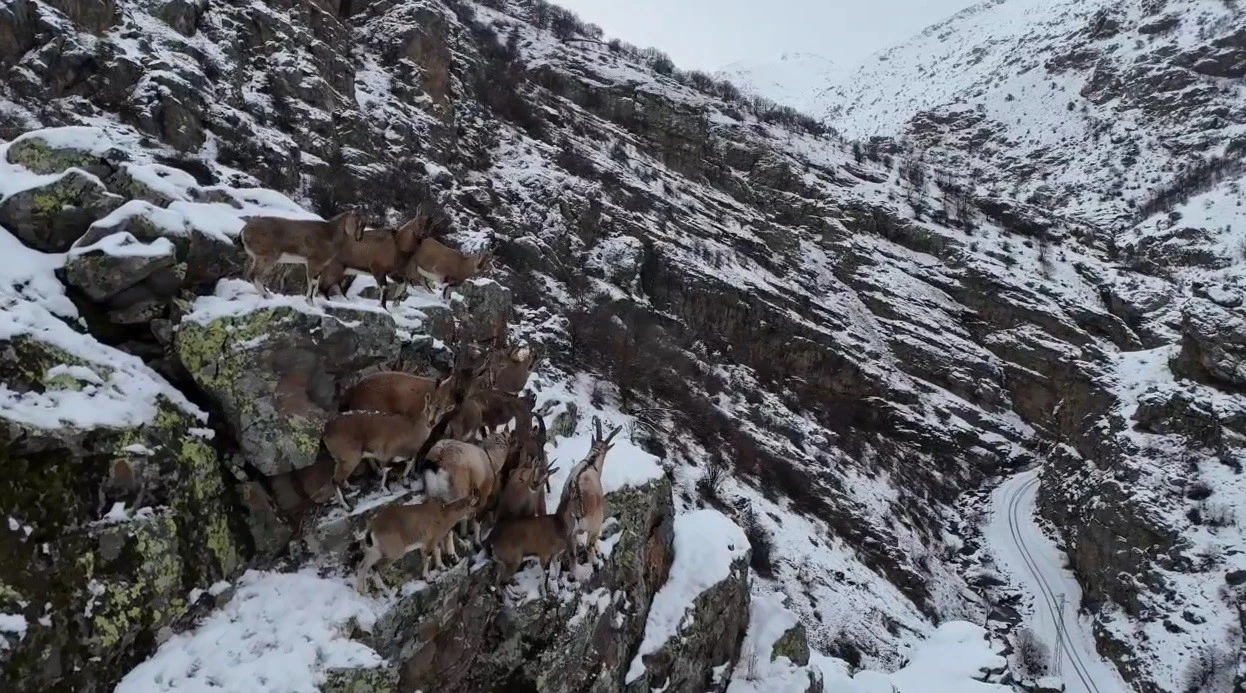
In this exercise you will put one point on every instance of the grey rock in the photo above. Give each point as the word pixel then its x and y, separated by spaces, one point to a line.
pixel 480 306
pixel 719 618
pixel 51 217
pixel 275 373
pixel 1213 343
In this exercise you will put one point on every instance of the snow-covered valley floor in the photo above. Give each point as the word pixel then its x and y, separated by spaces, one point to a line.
pixel 1034 564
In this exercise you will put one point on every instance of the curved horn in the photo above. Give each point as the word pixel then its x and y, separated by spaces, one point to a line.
pixel 612 435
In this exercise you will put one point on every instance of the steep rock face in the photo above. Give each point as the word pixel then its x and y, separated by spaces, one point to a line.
pixel 461 634
pixel 97 586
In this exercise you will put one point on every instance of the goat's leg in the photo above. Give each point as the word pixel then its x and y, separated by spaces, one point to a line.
pixel 260 269
pixel 406 471
pixel 441 565
pixel 381 284
pixel 476 527
pixel 428 559
pixel 594 549
pixel 341 498
pixel 385 477
pixel 371 556
pixel 313 279
pixel 451 550
pixel 379 582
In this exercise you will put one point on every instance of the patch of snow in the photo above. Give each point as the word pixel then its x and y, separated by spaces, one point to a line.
pixel 124 244
pixel 706 544
pixel 121 390
pixel 756 672
pixel 951 660
pixel 280 633
pixel 14 624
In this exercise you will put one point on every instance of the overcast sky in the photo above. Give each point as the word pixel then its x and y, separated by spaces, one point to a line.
pixel 708 34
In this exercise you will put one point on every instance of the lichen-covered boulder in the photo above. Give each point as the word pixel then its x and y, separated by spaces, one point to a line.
pixel 58 149
pixel 274 366
pixel 115 506
pixel 1213 343
pixel 479 307
pixel 378 680
pixel 698 617
pixel 51 216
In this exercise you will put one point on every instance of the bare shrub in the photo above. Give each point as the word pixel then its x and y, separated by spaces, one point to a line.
pixel 710 484
pixel 1209 671
pixel 1033 655
pixel 1218 515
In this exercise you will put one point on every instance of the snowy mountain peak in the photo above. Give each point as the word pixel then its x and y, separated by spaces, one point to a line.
pixel 794 79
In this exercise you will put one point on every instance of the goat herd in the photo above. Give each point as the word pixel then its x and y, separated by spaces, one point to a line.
pixel 452 430
pixel 333 248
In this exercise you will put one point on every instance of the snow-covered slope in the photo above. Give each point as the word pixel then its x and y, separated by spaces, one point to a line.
pixel 799 80
pixel 1090 107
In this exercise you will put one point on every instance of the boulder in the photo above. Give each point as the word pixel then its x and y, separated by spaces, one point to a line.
pixel 52 216
pixel 138 259
pixel 94 16
pixel 274 368
pixel 57 149
pixel 378 680
pixel 114 516
pixel 479 306
pixel 1213 343
pixel 182 15
pixel 172 110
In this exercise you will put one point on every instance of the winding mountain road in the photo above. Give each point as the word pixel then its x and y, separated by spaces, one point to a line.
pixel 1037 566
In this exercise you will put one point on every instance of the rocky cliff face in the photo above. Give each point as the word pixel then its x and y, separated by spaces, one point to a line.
pixel 822 348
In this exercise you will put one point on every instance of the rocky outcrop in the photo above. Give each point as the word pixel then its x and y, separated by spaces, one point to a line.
pixel 275 372
pixel 717 618
pixel 98 580
pixel 52 216
pixel 1213 343
pixel 139 259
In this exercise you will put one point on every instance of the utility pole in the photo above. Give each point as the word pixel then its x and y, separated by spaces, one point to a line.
pixel 1059 633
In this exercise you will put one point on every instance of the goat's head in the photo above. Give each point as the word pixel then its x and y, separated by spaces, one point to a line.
pixel 601 443
pixel 541 475
pixel 442 400
pixel 484 262
pixel 351 222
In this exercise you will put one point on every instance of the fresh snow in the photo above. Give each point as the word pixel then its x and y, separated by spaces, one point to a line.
pixel 115 389
pixel 706 544
pixel 14 624
pixel 799 80
pixel 280 633
pixel 952 660
pixel 756 672
pixel 1034 563
pixel 124 244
